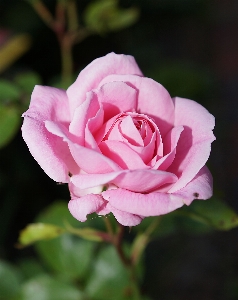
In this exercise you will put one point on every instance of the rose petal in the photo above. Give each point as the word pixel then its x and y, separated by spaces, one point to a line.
pixel 87 110
pixel 134 180
pixel 85 205
pixel 143 181
pixel 147 151
pixel 106 129
pixel 85 181
pixel 48 103
pixel 76 192
pixel 130 132
pixel 51 153
pixel 170 143
pixel 152 204
pixel 153 99
pixel 198 188
pixel 125 218
pixel 93 125
pixel 117 97
pixel 90 76
pixel 147 133
pixel 114 133
pixel 88 160
pixel 122 155
pixel 194 145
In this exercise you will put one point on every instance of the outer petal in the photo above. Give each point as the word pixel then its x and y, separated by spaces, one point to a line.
pixel 49 151
pixel 125 218
pixel 85 205
pixel 48 103
pixel 90 77
pixel 199 188
pixel 88 160
pixel 194 145
pixel 76 192
pixel 152 204
pixel 153 99
pixel 85 181
pixel 143 181
pixel 134 180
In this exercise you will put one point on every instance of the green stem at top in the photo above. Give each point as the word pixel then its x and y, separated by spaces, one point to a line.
pixel 66 60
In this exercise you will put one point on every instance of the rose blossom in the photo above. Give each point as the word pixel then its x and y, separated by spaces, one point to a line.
pixel 121 142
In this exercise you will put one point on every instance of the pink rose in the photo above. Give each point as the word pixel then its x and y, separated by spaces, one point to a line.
pixel 120 142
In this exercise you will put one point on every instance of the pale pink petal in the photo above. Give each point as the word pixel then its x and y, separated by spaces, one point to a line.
pixel 114 133
pixel 170 143
pixel 153 99
pixel 117 97
pixel 147 133
pixel 93 125
pixel 51 153
pixel 85 181
pixel 122 155
pixel 87 110
pixel 125 218
pixel 106 129
pixel 130 132
pixel 200 187
pixel 90 77
pixel 48 103
pixel 194 145
pixel 152 204
pixel 134 180
pixel 143 181
pixel 146 153
pixel 76 192
pixel 87 159
pixel 81 207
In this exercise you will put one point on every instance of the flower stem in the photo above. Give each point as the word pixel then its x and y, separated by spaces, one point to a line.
pixel 44 13
pixel 67 31
pixel 108 226
pixel 66 60
pixel 118 245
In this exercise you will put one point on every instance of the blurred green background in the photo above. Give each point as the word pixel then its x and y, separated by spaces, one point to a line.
pixel 189 46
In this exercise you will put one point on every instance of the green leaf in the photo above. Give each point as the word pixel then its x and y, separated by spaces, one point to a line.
pixel 13 49
pixel 105 15
pixel 89 234
pixel 212 212
pixel 57 214
pixel 9 281
pixel 167 225
pixel 120 19
pixel 9 124
pixel 30 267
pixel 39 231
pixel 45 288
pixel 27 81
pixel 109 278
pixel 8 91
pixel 68 255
